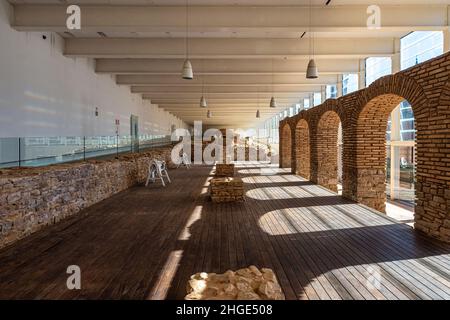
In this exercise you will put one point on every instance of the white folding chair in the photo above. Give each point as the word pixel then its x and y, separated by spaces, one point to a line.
pixel 185 161
pixel 157 170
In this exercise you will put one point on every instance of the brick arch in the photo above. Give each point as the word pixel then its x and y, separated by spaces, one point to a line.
pixel 444 101
pixel 302 149
pixel 326 149
pixel 286 146
pixel 323 130
pixel 371 116
pixel 364 114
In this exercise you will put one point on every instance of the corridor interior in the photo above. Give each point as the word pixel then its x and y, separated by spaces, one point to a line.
pixel 320 245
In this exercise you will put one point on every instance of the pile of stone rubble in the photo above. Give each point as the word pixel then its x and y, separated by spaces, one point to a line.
pixel 244 284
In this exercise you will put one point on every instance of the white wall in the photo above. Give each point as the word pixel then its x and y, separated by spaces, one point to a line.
pixel 43 93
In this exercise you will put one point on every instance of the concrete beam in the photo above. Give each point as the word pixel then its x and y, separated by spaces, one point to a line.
pixel 223 48
pixel 224 67
pixel 226 89
pixel 222 81
pixel 225 95
pixel 210 19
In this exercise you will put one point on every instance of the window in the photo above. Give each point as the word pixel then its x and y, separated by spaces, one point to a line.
pixel 349 83
pixel 407 127
pixel 420 46
pixel 317 98
pixel 376 67
pixel 291 111
pixel 331 91
pixel 416 48
pixel 306 103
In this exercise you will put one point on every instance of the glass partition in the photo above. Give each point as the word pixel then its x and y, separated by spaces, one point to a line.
pixel 42 151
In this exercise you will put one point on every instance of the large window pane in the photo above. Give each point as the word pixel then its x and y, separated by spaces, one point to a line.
pixel 306 103
pixel 376 67
pixel 420 46
pixel 331 91
pixel 317 98
pixel 349 83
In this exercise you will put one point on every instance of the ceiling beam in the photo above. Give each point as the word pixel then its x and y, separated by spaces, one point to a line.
pixel 216 48
pixel 222 81
pixel 107 18
pixel 230 101
pixel 225 67
pixel 224 95
pixel 230 90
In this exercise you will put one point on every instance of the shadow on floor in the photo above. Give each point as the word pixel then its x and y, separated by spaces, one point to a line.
pixel 145 243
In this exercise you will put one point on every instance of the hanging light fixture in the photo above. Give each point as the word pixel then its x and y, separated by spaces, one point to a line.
pixel 311 72
pixel 209 114
pixel 257 111
pixel 187 72
pixel 273 103
pixel 203 103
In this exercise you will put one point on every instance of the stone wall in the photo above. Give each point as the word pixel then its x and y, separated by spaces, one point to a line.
pixel 363 115
pixel 31 198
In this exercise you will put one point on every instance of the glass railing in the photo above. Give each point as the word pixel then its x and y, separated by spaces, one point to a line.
pixel 43 151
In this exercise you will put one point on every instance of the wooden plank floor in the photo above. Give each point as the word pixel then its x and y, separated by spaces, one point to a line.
pixel 144 243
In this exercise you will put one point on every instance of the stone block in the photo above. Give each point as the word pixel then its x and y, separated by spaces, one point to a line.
pixel 245 284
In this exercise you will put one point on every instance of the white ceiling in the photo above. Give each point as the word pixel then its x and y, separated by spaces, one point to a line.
pixel 229 2
pixel 234 51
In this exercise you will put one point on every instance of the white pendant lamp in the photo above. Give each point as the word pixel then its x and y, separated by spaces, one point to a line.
pixel 311 72
pixel 187 72
pixel 209 114
pixel 273 103
pixel 257 111
pixel 203 103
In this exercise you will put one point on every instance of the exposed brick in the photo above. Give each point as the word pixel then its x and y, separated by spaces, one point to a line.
pixel 308 141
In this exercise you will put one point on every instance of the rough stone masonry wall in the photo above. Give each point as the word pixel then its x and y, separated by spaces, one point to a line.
pixel 363 115
pixel 31 198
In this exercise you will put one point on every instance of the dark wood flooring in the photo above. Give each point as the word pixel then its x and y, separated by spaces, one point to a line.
pixel 144 243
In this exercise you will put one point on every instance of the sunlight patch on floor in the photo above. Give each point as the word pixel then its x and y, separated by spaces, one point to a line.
pixel 195 216
pixel 269 193
pixel 316 190
pixel 311 219
pixel 400 214
pixel 166 275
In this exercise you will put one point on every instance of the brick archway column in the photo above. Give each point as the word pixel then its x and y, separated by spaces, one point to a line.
pixel 313 146
pixel 285 145
pixel 302 149
pixel 280 144
pixel 293 145
pixel 349 168
pixel 324 126
pixel 327 149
